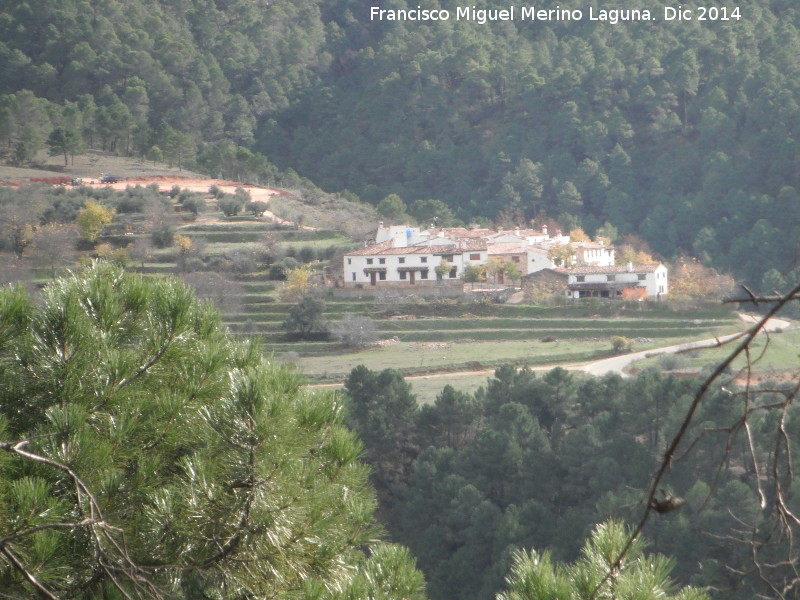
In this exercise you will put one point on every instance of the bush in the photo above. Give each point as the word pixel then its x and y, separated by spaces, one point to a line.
pixel 258 208
pixel 306 254
pixel 162 235
pixel 194 263
pixel 244 262
pixel 620 343
pixel 279 270
pixel 230 205
pixel 354 331
pixel 306 318
pixel 672 362
pixel 191 202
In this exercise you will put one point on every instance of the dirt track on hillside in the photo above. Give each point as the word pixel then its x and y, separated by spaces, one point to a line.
pixel 195 184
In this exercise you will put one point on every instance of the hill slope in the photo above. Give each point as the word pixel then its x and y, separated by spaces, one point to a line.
pixel 682 132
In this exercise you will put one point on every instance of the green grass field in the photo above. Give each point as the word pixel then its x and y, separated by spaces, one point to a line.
pixel 455 339
pixel 770 353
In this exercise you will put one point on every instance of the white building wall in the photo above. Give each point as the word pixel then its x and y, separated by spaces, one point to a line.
pixel 538 261
pixel 655 282
pixel 401 235
pixel 658 281
pixel 596 256
pixel 354 267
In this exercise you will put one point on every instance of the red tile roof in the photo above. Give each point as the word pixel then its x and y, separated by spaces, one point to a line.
pixel 506 248
pixel 386 249
pixel 610 270
pixel 461 232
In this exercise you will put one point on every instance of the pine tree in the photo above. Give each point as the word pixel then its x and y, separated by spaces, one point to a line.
pixel 534 576
pixel 147 455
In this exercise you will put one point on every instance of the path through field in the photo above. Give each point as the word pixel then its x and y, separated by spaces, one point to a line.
pixel 615 364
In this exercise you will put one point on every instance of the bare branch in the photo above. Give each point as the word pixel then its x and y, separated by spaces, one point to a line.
pixel 21 534
pixel 669 455
pixel 40 588
pixel 104 534
pixel 753 299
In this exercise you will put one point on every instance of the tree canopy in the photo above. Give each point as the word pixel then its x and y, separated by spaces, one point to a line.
pixel 147 455
pixel 534 576
pixel 682 134
pixel 537 461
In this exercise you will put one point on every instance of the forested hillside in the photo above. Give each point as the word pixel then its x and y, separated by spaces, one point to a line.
pixel 535 461
pixel 680 131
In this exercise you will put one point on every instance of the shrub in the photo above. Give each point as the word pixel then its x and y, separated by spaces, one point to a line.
pixel 354 331
pixel 280 269
pixel 306 318
pixel 230 205
pixel 634 294
pixel 162 235
pixel 620 343
pixel 306 254
pixel 244 262
pixel 672 362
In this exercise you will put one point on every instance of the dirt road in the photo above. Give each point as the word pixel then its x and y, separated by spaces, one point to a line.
pixel 615 364
pixel 196 184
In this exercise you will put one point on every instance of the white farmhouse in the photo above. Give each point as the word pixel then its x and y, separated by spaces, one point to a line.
pixel 610 281
pixel 594 254
pixel 401 256
pixel 389 266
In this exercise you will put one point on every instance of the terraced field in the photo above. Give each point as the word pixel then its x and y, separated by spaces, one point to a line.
pixel 441 337
pixel 434 337
pixel 228 237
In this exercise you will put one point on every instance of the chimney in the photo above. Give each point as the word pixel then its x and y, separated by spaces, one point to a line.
pixel 630 267
pixel 544 229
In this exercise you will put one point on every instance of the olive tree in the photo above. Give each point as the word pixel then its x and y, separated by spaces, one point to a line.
pixel 354 330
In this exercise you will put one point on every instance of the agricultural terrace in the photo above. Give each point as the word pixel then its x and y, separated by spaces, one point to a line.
pixel 456 336
pixel 238 261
